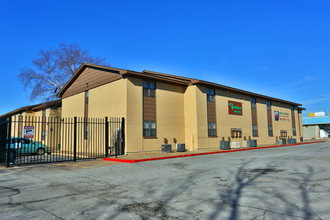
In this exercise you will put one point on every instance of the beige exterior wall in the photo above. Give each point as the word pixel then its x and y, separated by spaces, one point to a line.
pixel 52 129
pixel 190 119
pixel 226 121
pixel 181 113
pixel 170 116
pixel 73 106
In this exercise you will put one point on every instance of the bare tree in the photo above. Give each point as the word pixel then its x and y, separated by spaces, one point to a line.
pixel 53 68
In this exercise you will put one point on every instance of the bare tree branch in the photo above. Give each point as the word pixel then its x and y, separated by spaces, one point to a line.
pixel 53 68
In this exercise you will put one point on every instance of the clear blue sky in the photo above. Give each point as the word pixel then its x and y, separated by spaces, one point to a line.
pixel 277 48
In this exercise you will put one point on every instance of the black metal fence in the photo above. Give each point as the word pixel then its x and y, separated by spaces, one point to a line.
pixel 29 140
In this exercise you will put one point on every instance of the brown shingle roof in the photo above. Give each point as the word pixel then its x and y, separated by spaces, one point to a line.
pixel 51 104
pixel 167 78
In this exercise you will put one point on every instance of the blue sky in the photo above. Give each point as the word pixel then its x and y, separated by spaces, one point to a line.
pixel 276 48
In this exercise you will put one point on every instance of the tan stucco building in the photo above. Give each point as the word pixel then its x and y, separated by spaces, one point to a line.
pixel 160 107
pixel 42 117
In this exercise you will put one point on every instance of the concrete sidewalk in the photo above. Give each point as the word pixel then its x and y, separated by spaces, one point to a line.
pixel 149 156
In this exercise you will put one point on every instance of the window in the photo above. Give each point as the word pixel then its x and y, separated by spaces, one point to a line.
pixel 43 126
pixel 86 115
pixel 293 121
pixel 284 133
pixel 253 102
pixel 236 133
pixel 86 96
pixel 149 89
pixel 86 131
pixel 212 131
pixel 26 141
pixel 269 105
pixel 254 131
pixel 270 130
pixel 149 128
pixel 210 94
pixel 20 125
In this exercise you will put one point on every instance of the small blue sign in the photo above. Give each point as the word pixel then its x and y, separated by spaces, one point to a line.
pixel 277 115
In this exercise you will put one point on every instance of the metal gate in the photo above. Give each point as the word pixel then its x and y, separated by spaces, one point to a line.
pixel 31 140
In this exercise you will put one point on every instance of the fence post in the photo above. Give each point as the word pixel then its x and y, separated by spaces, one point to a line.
pixel 75 139
pixel 106 136
pixel 123 135
pixel 8 136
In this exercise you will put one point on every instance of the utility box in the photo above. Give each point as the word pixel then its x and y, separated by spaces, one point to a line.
pixel 283 140
pixel 292 141
pixel 180 147
pixel 245 143
pixel 253 143
pixel 279 141
pixel 167 148
pixel 235 145
pixel 224 145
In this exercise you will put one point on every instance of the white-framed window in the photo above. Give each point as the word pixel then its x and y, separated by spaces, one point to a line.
pixel 210 95
pixel 149 89
pixel 149 128
pixel 212 130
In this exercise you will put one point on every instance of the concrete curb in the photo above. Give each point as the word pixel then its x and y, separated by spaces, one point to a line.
pixel 199 154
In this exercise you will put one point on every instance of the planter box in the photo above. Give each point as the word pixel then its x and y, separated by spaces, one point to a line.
pixel 235 145
pixel 253 143
pixel 245 143
pixel 224 145
pixel 180 147
pixel 167 148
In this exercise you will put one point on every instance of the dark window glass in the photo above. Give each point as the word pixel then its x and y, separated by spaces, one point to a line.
pixel 86 97
pixel 294 131
pixel 149 89
pixel 254 131
pixel 149 128
pixel 210 95
pixel 212 131
pixel 253 102
pixel 269 104
pixel 270 130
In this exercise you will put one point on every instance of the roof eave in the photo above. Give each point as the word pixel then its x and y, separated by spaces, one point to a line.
pixel 201 82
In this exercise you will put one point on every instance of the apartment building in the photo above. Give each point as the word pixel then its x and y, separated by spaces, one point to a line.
pixel 161 108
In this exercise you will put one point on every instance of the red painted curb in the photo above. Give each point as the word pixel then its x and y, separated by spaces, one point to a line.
pixel 205 153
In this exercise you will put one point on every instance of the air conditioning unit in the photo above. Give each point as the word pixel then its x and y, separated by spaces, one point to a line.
pixel 167 148
pixel 180 147
pixel 253 143
pixel 245 143
pixel 235 145
pixel 279 141
pixel 224 145
pixel 292 141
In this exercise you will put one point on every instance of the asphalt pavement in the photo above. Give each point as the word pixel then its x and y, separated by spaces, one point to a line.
pixel 277 183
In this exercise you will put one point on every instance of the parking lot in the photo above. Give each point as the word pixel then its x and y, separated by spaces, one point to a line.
pixel 277 183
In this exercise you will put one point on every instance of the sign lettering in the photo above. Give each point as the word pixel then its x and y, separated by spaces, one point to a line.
pixel 28 131
pixel 235 108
